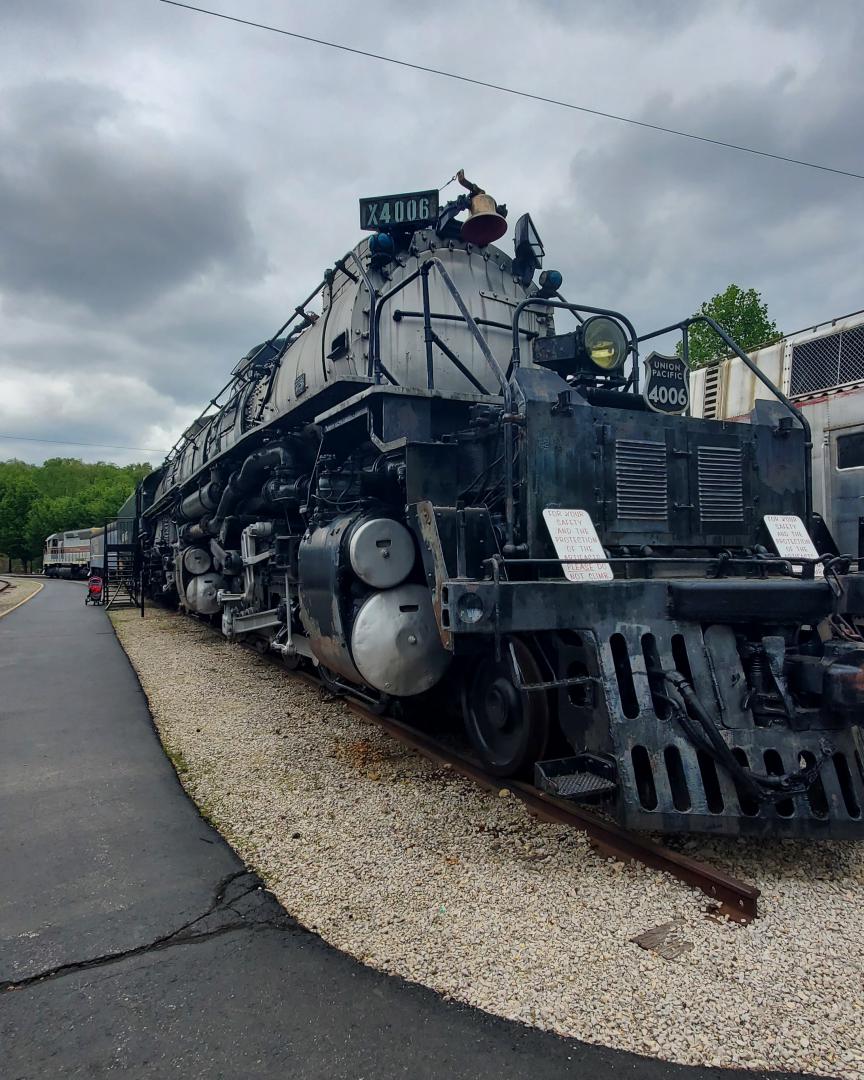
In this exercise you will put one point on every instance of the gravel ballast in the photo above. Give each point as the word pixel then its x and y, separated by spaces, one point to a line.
pixel 20 588
pixel 418 872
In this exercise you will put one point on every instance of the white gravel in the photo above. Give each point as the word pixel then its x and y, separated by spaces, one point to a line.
pixel 20 588
pixel 418 872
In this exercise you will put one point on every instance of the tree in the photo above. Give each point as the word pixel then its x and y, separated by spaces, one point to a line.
pixel 60 494
pixel 743 316
pixel 17 498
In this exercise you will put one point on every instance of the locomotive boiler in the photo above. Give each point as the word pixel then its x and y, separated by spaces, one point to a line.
pixel 421 487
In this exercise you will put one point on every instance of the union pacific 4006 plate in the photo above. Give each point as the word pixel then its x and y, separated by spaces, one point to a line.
pixel 574 537
pixel 398 211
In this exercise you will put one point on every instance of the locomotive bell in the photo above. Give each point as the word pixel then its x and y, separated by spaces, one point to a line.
pixel 484 223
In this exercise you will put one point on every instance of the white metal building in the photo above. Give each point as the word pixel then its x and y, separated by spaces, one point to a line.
pixel 822 370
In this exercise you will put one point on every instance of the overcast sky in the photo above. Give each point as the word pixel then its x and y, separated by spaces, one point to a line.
pixel 171 184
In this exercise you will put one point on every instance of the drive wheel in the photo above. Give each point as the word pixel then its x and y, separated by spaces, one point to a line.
pixel 508 727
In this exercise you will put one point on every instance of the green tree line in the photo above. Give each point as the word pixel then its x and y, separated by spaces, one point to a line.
pixel 60 494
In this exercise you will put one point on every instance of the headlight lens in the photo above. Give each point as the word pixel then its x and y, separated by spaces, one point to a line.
pixel 605 342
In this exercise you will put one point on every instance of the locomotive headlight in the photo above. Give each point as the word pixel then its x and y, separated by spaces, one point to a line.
pixel 605 342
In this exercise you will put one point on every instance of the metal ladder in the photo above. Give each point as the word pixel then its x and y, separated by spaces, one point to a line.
pixel 120 584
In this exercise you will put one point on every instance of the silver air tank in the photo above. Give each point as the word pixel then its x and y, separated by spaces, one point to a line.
pixel 201 593
pixel 392 642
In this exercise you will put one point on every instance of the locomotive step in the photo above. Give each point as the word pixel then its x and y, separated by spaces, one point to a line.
pixel 581 778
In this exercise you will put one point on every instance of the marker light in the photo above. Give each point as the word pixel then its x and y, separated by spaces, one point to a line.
pixel 382 244
pixel 550 282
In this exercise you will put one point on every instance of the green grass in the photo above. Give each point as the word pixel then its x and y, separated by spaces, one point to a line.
pixel 178 760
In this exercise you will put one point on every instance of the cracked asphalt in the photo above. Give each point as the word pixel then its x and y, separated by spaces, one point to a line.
pixel 133 940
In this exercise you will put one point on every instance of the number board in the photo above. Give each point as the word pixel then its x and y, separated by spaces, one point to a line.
pixel 383 212
pixel 667 384
pixel 574 537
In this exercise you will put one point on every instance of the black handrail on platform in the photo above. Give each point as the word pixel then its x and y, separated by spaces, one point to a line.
pixel 574 309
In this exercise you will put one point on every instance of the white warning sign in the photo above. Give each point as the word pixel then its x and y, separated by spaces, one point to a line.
pixel 791 538
pixel 574 537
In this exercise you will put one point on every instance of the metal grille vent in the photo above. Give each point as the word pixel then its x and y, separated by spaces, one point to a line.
pixel 641 484
pixel 721 483
pixel 711 392
pixel 827 362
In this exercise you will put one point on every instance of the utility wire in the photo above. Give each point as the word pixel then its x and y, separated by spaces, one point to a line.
pixel 515 92
pixel 71 442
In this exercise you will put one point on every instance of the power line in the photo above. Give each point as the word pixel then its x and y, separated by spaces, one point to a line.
pixel 71 442
pixel 515 92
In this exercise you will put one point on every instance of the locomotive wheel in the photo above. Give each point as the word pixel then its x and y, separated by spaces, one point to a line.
pixel 508 727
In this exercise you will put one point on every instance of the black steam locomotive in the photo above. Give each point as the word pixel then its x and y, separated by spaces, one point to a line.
pixel 418 487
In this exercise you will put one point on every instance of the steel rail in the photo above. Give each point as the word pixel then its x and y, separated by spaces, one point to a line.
pixel 736 899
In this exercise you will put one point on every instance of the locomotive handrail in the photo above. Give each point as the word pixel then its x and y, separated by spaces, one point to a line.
pixel 516 356
pixel 374 369
pixel 423 270
pixel 768 562
pixel 373 303
pixel 506 392
pixel 483 344
pixel 471 323
pixel 213 402
pixel 796 413
pixel 399 314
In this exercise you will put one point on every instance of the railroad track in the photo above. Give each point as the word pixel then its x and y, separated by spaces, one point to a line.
pixel 735 899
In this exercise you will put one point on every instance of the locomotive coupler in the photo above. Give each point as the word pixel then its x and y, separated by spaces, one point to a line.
pixel 836 679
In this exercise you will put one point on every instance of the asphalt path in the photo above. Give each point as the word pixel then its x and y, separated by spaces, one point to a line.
pixel 133 940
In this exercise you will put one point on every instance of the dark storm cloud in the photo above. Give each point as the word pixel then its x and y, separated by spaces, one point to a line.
pixel 832 15
pixel 172 184
pixel 655 17
pixel 663 223
pixel 101 209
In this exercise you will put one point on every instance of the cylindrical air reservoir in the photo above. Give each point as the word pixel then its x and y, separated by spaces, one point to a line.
pixel 201 593
pixel 196 560
pixel 395 642
pixel 381 551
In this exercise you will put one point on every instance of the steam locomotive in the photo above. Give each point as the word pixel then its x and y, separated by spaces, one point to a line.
pixel 419 486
